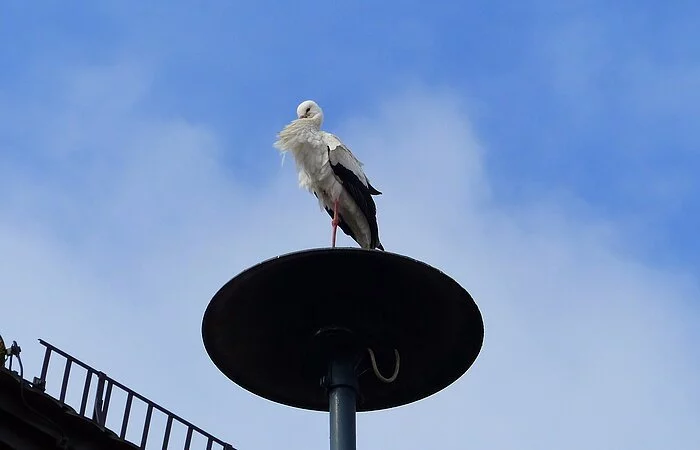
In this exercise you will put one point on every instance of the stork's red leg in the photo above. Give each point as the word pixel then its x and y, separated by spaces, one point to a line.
pixel 335 222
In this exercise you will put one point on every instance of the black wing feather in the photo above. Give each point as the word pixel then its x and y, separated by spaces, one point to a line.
pixel 372 190
pixel 362 195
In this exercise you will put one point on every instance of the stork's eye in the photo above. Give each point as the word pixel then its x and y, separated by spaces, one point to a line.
pixel 308 109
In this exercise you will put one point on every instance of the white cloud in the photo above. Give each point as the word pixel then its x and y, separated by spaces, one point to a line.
pixel 114 250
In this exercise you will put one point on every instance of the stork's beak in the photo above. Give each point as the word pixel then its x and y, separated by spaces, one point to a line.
pixel 304 116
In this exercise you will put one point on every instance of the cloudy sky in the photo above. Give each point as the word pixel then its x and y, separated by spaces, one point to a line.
pixel 544 154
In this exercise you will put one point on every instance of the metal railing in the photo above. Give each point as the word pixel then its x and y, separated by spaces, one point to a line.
pixel 103 395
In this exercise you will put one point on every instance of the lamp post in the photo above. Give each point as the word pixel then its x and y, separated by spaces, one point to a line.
pixel 312 330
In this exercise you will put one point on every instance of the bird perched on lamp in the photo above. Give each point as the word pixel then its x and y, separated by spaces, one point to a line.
pixel 327 168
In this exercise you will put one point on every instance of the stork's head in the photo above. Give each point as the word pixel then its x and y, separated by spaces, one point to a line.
pixel 310 110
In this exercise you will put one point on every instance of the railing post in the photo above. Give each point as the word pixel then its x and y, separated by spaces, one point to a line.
pixel 97 409
pixel 125 418
pixel 188 438
pixel 45 366
pixel 64 383
pixel 86 392
pixel 166 436
pixel 105 402
pixel 146 425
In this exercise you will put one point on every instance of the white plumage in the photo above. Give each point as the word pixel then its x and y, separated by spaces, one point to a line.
pixel 329 170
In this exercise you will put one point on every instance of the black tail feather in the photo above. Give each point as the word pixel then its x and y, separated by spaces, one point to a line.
pixel 372 190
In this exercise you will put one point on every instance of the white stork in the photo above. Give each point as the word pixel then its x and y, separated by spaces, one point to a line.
pixel 333 174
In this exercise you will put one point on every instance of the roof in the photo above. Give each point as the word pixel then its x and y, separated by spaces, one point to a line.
pixel 33 419
pixel 30 417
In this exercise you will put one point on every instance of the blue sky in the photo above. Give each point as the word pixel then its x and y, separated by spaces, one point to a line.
pixel 588 98
pixel 555 146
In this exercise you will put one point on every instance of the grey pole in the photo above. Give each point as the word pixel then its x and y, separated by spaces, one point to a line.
pixel 342 397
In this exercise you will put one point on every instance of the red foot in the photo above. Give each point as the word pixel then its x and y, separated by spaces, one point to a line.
pixel 335 222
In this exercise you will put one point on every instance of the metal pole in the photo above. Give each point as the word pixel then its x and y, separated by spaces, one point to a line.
pixel 342 397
